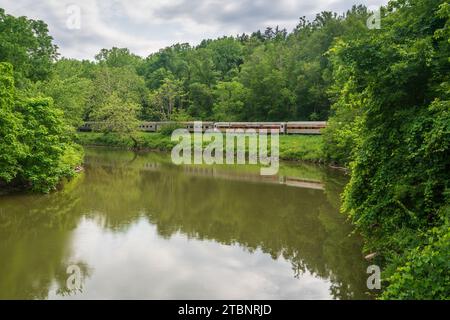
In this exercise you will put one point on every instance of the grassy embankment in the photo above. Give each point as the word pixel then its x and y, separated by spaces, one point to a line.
pixel 296 147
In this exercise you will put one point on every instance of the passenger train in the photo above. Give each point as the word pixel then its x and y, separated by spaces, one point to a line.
pixel 292 127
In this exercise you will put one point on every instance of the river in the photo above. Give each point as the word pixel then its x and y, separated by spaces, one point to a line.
pixel 135 226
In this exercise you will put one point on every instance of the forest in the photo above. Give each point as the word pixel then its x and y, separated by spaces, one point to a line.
pixel 384 92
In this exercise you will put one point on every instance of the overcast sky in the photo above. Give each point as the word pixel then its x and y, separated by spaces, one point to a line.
pixel 145 26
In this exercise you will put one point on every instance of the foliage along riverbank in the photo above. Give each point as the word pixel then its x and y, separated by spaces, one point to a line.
pixel 36 152
pixel 295 148
pixel 392 126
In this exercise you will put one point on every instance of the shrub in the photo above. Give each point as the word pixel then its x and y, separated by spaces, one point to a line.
pixel 169 128
pixel 35 145
pixel 424 272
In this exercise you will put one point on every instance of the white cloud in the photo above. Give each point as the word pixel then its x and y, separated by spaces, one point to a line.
pixel 144 26
pixel 139 264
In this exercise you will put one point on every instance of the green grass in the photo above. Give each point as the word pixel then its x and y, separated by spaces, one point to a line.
pixel 301 147
pixel 295 147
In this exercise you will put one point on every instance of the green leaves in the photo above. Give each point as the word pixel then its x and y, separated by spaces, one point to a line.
pixel 35 148
pixel 230 101
pixel 169 97
pixel 25 43
pixel 11 150
pixel 70 90
pixel 424 272
pixel 392 124
pixel 117 115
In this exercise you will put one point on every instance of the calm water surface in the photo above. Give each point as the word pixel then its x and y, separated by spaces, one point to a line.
pixel 139 227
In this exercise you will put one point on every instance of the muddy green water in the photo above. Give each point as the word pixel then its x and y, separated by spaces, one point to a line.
pixel 136 226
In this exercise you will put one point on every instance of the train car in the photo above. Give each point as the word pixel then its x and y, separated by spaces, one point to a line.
pixel 148 126
pixel 223 126
pixel 192 126
pixel 155 126
pixel 305 127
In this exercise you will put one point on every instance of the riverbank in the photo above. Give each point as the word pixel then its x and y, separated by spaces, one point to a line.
pixel 294 148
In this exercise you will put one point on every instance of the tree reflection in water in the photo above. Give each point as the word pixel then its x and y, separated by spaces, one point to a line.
pixel 230 206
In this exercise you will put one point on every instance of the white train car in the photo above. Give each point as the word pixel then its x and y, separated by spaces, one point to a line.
pixel 305 127
pixel 223 126
pixel 148 126
pixel 192 126
pixel 155 126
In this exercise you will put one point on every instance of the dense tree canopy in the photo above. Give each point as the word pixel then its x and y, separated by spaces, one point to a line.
pixel 279 76
pixel 26 44
pixel 392 124
pixel 36 149
pixel 117 115
pixel 11 150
